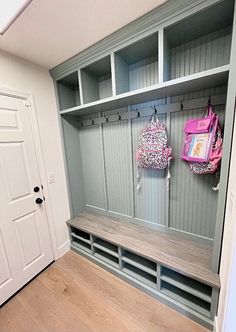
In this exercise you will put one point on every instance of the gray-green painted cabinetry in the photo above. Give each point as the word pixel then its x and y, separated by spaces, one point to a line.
pixel 181 51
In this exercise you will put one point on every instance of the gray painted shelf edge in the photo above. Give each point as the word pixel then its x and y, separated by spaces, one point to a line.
pixel 201 80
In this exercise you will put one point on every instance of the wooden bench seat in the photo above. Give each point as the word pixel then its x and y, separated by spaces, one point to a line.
pixel 184 256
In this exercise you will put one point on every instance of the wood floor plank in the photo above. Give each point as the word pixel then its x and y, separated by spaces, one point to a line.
pixel 75 295
pixel 122 297
pixel 185 256
pixel 15 318
pixel 50 314
pixel 78 296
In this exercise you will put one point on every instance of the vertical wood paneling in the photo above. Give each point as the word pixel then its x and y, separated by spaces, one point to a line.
pixel 118 167
pixel 105 88
pixel 143 73
pixel 151 198
pixel 90 145
pixel 74 164
pixel 203 53
pixel 192 201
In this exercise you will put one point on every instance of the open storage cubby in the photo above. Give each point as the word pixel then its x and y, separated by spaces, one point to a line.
pixel 139 262
pixel 139 274
pixel 80 239
pixel 186 298
pixel 96 80
pixel 187 291
pixel 105 246
pixel 106 257
pixel 136 66
pixel 199 42
pixel 187 284
pixel 68 91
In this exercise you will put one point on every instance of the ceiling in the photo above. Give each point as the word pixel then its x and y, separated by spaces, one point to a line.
pixel 49 32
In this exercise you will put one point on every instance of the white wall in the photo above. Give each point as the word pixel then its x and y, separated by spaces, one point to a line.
pixel 22 76
pixel 226 320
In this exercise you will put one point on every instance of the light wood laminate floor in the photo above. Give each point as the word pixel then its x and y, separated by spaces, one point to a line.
pixel 75 295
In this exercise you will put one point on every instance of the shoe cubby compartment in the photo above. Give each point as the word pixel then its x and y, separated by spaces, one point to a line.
pixel 139 274
pixel 139 262
pixel 68 91
pixel 96 80
pixel 198 43
pixel 105 246
pixel 80 239
pixel 187 291
pixel 107 258
pixel 136 66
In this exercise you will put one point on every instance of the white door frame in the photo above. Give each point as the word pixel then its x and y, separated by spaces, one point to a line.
pixel 29 102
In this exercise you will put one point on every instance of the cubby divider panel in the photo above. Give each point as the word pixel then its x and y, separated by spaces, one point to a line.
pixel 68 91
pixel 105 246
pixel 139 262
pixel 106 257
pixel 140 275
pixel 136 66
pixel 96 80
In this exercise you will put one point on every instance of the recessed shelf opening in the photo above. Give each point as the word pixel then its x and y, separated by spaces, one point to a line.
pixel 106 246
pixel 96 80
pixel 139 274
pixel 68 91
pixel 80 233
pixel 80 244
pixel 187 284
pixel 136 66
pixel 206 45
pixel 140 262
pixel 186 299
pixel 106 257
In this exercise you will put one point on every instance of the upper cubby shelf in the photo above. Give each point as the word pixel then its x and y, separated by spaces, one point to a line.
pixel 204 80
pixel 68 91
pixel 190 54
pixel 96 80
pixel 136 66
pixel 198 43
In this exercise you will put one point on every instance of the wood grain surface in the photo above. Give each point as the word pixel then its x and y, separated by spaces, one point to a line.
pixel 75 295
pixel 185 256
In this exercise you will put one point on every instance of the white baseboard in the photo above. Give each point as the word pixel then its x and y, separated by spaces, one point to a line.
pixel 216 326
pixel 64 248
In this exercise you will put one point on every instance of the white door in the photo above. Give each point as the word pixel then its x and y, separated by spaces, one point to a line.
pixel 25 247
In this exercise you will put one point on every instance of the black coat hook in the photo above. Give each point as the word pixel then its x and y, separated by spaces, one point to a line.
pixel 138 113
pixel 209 101
pixel 155 110
pixel 181 105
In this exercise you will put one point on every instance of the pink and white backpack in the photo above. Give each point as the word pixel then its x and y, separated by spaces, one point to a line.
pixel 202 146
pixel 153 150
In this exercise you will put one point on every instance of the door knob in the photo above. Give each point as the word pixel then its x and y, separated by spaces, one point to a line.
pixel 38 200
pixel 36 189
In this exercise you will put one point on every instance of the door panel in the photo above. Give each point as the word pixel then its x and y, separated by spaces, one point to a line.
pixel 28 239
pixel 25 247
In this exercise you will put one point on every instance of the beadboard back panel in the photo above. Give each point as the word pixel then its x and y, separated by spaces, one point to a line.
pixel 92 165
pixel 150 197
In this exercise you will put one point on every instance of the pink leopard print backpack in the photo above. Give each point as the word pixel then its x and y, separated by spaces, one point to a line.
pixel 153 150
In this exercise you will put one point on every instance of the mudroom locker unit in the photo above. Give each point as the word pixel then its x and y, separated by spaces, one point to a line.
pixel 163 236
